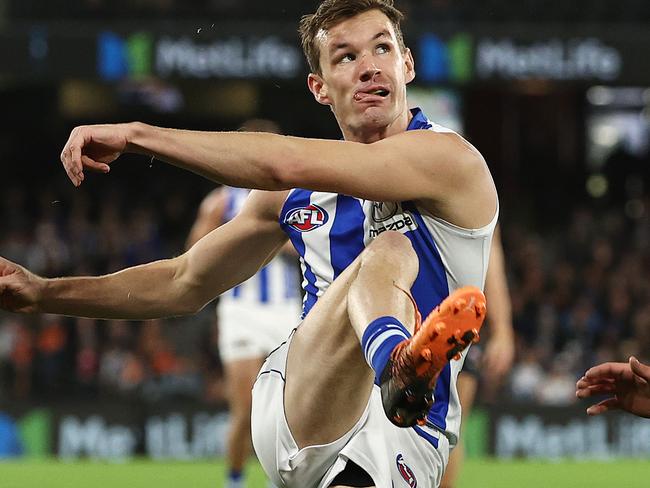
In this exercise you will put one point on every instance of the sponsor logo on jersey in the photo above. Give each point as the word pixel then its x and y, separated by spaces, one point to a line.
pixel 308 218
pixel 383 210
pixel 406 472
pixel 390 216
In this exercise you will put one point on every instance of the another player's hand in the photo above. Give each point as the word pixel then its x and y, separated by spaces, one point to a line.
pixel 20 290
pixel 498 356
pixel 629 383
pixel 93 147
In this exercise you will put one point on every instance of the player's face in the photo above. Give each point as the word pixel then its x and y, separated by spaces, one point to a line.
pixel 364 75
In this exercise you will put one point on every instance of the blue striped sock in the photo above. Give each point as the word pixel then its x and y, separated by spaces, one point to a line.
pixel 379 339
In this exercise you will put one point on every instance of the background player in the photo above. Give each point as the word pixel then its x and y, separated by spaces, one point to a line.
pixel 253 318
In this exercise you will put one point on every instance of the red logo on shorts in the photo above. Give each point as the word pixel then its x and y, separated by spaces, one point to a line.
pixel 305 219
pixel 406 472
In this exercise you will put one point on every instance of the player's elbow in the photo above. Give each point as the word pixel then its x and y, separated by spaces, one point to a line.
pixel 289 166
pixel 188 295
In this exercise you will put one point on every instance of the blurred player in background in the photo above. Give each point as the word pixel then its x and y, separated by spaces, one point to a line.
pixel 491 361
pixel 253 318
pixel 629 383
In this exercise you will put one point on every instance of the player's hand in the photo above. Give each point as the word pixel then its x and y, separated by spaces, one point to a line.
pixel 628 383
pixel 20 290
pixel 93 147
pixel 498 356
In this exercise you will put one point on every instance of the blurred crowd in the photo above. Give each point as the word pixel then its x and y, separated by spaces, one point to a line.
pixel 580 295
pixel 51 356
pixel 632 11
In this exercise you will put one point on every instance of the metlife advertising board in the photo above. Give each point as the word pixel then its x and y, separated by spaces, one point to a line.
pixel 560 433
pixel 271 51
pixel 543 54
pixel 173 434
pixel 112 431
pixel 186 431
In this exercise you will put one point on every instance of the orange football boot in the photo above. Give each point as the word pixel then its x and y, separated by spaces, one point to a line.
pixel 414 365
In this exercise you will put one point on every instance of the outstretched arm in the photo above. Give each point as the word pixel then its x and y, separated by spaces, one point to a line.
pixel 224 258
pixel 629 383
pixel 440 169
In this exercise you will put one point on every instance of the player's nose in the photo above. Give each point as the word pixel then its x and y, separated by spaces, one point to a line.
pixel 367 68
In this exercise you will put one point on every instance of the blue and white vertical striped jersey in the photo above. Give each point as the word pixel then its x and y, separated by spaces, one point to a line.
pixel 330 230
pixel 276 285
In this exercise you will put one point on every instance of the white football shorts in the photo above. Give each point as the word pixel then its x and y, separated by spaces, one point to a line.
pixel 394 457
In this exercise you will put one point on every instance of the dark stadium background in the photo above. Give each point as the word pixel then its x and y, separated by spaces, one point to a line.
pixel 554 94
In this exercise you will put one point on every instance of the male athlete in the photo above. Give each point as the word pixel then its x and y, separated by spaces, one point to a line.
pixel 254 317
pixel 361 394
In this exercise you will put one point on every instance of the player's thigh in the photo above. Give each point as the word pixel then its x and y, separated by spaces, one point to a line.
pixel 328 381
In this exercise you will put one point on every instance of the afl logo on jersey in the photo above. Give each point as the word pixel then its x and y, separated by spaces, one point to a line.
pixel 305 219
pixel 406 472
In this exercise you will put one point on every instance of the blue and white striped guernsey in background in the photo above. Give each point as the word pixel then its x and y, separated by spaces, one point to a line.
pixel 330 230
pixel 276 284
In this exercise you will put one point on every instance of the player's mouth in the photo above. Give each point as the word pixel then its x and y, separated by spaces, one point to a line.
pixel 372 94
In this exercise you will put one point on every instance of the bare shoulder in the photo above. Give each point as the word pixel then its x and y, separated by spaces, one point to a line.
pixel 456 182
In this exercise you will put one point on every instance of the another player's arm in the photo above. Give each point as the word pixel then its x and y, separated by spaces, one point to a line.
pixel 440 170
pixel 209 217
pixel 183 285
pixel 500 349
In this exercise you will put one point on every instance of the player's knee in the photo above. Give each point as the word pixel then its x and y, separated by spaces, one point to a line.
pixel 391 247
pixel 392 242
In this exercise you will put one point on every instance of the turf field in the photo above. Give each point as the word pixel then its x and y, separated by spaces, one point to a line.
pixel 478 474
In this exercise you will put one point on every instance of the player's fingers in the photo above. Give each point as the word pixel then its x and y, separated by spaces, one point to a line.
pixel 585 381
pixel 74 173
pixel 604 406
pixel 607 370
pixel 595 390
pixel 640 369
pixel 65 160
pixel 75 160
pixel 93 165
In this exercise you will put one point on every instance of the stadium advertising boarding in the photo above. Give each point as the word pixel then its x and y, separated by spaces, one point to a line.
pixel 196 56
pixel 563 432
pixel 271 51
pixel 188 431
pixel 181 433
pixel 111 432
pixel 464 57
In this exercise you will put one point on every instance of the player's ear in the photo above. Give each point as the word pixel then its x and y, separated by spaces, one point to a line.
pixel 318 88
pixel 409 66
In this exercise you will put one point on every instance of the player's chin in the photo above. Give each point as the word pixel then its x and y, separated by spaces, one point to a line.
pixel 376 115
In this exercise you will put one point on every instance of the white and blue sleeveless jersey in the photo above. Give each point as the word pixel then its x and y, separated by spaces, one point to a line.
pixel 275 285
pixel 330 230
